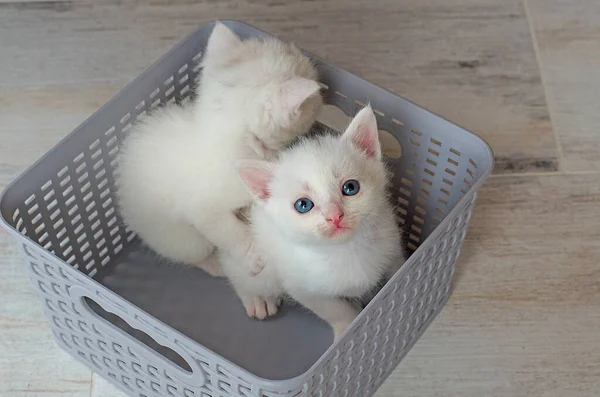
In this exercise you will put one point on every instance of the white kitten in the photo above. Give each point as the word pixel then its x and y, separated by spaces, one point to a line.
pixel 322 224
pixel 178 185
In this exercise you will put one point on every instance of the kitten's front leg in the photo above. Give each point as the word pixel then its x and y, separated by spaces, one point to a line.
pixel 259 295
pixel 337 312
pixel 229 233
pixel 254 262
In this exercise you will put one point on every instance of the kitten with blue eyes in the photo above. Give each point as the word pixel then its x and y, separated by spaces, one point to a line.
pixel 322 223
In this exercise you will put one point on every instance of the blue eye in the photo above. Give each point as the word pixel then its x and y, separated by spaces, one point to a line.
pixel 303 205
pixel 350 187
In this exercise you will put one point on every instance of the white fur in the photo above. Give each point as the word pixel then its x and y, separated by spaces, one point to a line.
pixel 178 186
pixel 302 258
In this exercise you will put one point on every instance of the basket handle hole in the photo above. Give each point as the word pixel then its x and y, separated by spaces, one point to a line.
pixel 389 145
pixel 333 117
pixel 139 335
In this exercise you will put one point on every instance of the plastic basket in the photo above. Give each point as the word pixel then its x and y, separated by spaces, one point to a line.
pixel 156 330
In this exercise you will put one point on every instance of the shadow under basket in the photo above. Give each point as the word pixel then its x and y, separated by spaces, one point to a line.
pixel 156 329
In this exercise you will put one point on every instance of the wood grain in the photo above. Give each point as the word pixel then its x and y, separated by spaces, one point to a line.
pixel 35 118
pixel 103 388
pixel 568 37
pixel 469 60
pixel 31 364
pixel 523 319
pixel 524 315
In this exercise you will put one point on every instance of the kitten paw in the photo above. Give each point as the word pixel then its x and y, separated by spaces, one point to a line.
pixel 256 267
pixel 255 264
pixel 261 308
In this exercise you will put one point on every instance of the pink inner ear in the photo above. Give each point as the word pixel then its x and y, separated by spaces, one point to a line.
pixel 366 140
pixel 363 132
pixel 295 92
pixel 257 179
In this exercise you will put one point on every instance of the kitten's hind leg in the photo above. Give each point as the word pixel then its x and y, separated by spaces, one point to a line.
pixel 232 235
pixel 337 312
pixel 211 265
pixel 174 240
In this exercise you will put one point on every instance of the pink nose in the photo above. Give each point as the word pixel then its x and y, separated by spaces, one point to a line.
pixel 335 217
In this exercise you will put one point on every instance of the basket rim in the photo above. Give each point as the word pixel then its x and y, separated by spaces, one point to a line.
pixel 298 380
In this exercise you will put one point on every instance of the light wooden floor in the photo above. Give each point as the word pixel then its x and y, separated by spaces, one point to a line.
pixel 524 319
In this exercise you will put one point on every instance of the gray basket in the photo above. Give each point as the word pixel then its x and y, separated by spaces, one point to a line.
pixel 155 330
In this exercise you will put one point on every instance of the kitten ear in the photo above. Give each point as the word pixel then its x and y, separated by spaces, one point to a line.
pixel 296 91
pixel 290 96
pixel 362 131
pixel 256 175
pixel 221 41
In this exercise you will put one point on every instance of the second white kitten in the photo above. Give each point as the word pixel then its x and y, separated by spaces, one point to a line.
pixel 322 223
pixel 178 186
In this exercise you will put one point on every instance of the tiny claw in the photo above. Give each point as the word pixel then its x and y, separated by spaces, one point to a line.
pixel 272 306
pixel 260 308
pixel 256 268
pixel 255 264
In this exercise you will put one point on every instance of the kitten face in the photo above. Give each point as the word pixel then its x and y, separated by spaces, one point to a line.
pixel 324 190
pixel 327 205
pixel 275 84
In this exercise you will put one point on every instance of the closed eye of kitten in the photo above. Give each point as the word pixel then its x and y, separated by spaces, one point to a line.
pixel 252 99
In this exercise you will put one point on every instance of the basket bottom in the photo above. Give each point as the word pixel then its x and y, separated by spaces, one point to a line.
pixel 207 310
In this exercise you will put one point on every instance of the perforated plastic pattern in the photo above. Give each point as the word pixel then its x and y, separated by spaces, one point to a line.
pixel 63 214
